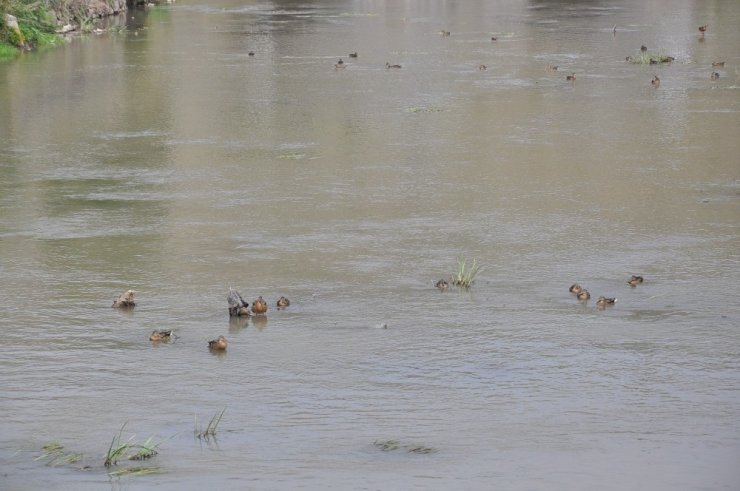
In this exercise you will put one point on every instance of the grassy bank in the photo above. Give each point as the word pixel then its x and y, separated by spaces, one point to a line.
pixel 37 22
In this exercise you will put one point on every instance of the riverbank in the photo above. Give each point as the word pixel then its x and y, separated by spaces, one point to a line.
pixel 26 25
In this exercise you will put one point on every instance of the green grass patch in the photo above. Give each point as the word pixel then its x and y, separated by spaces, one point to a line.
pixel 648 58
pixel 8 52
pixel 120 450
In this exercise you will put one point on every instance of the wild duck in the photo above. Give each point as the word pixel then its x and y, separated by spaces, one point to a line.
pixel 259 306
pixel 157 336
pixel 442 284
pixel 604 301
pixel 282 302
pixel 583 295
pixel 237 306
pixel 655 81
pixel 218 344
pixel 634 281
pixel 125 300
pixel 575 288
pixel 388 65
pixel 571 77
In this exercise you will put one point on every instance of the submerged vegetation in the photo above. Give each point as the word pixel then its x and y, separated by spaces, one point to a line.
pixel 210 430
pixel 55 455
pixel 391 445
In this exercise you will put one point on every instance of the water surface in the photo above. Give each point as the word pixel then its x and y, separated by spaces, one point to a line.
pixel 166 159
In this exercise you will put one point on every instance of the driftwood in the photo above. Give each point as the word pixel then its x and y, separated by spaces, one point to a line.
pixel 237 306
pixel 125 300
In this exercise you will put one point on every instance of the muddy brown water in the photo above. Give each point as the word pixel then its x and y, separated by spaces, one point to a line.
pixel 165 159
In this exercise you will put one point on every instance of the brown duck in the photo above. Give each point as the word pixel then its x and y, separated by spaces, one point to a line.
pixel 634 281
pixel 157 336
pixel 442 284
pixel 218 344
pixel 388 65
pixel 125 300
pixel 259 306
pixel 282 302
pixel 604 301
pixel 575 288
pixel 655 81
pixel 583 295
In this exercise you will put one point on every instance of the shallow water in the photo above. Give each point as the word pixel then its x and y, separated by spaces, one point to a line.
pixel 165 159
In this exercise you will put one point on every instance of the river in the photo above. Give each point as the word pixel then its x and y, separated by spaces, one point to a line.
pixel 162 157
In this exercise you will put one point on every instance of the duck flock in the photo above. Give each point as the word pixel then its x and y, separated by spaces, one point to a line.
pixel 653 60
pixel 237 308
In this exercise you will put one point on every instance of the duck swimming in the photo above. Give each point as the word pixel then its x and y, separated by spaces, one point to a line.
pixel 259 306
pixel 353 55
pixel 634 281
pixel 157 336
pixel 442 284
pixel 125 300
pixel 571 77
pixel 655 81
pixel 714 76
pixel 237 306
pixel 575 288
pixel 604 301
pixel 388 65
pixel 718 64
pixel 282 302
pixel 340 64
pixel 583 295
pixel 218 344
pixel 703 29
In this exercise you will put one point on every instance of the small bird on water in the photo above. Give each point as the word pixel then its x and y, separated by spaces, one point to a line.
pixel 218 344
pixel 125 300
pixel 634 281
pixel 604 301
pixel 157 336
pixel 259 306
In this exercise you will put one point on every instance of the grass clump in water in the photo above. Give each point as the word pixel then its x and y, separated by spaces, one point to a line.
pixel 119 450
pixel 210 430
pixel 465 276
pixel 647 58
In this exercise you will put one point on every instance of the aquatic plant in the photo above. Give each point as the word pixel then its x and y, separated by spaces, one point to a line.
pixel 464 277
pixel 55 455
pixel 390 445
pixel 210 430
pixel 647 58
pixel 135 471
pixel 127 450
